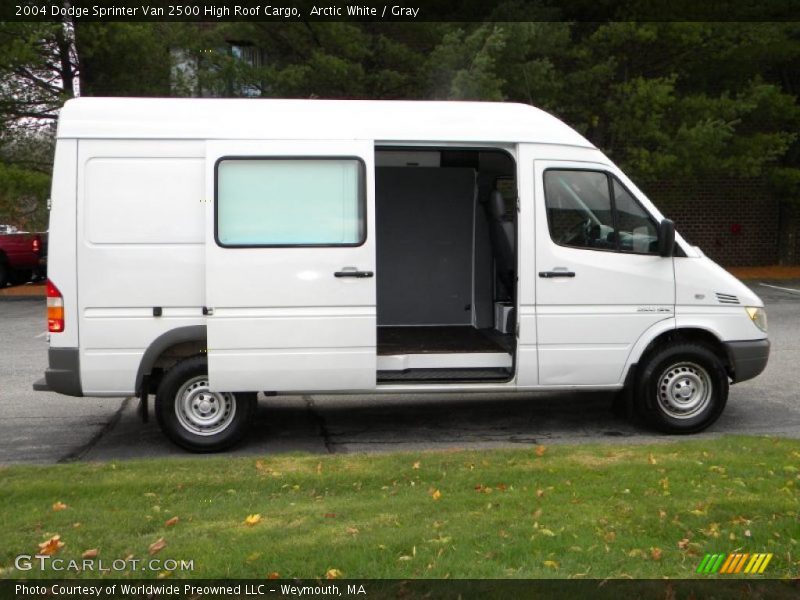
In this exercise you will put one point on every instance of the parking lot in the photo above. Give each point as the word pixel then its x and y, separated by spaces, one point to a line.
pixel 45 427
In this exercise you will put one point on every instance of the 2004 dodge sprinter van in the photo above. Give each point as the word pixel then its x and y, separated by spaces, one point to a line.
pixel 207 250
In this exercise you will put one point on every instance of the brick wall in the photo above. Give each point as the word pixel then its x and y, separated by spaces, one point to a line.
pixel 735 222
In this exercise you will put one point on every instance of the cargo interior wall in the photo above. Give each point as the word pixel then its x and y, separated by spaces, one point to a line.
pixel 425 227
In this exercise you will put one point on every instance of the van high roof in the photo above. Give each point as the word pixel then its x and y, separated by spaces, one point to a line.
pixel 381 120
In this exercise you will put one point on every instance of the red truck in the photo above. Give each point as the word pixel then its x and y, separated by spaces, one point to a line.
pixel 22 255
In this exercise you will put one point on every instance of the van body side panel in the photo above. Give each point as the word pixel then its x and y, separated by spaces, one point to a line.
pixel 61 260
pixel 140 225
pixel 527 360
pixel 281 318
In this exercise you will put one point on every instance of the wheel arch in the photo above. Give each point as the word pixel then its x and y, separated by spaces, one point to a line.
pixel 173 344
pixel 661 334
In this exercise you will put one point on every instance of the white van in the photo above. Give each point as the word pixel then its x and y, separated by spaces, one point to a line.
pixel 207 250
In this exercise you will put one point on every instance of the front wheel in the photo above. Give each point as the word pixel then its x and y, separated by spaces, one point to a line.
pixel 196 418
pixel 682 388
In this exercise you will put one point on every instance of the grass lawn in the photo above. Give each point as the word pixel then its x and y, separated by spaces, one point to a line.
pixel 560 511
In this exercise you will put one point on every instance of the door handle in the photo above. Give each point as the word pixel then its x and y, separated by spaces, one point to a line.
pixel 353 273
pixel 549 274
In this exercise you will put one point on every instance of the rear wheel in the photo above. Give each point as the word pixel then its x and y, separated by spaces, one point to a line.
pixel 683 388
pixel 4 273
pixel 196 418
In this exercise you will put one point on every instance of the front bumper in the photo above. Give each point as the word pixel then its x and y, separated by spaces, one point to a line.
pixel 747 358
pixel 63 374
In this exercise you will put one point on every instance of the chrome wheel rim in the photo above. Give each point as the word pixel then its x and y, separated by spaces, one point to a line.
pixel 201 411
pixel 684 390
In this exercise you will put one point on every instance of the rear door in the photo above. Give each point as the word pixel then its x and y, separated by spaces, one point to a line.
pixel 600 280
pixel 290 261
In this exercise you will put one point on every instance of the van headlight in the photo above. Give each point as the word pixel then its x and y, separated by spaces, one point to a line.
pixel 758 316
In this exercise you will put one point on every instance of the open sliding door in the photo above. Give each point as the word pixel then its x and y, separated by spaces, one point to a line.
pixel 290 262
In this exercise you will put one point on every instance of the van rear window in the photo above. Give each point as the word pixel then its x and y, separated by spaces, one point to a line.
pixel 290 202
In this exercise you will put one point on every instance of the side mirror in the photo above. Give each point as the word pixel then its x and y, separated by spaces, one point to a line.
pixel 666 238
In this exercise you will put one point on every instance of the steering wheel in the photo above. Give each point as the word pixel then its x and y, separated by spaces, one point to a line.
pixel 578 232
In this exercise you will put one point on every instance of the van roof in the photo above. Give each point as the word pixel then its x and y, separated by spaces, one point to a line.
pixel 379 120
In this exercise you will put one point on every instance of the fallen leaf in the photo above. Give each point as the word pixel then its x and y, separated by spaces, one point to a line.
pixel 539 493
pixel 59 506
pixel 537 513
pixel 254 557
pixel 92 553
pixel 610 536
pixel 683 544
pixel 547 532
pixel 740 521
pixel 150 494
pixel 352 530
pixel 171 522
pixel 76 525
pixel 540 450
pixel 51 546
pixel 655 553
pixel 662 515
pixel 747 533
pixel 157 546
pixel 415 465
pixel 652 459
pixel 329 515
pixel 551 564
pixel 436 494
pixel 333 574
pixel 252 520
pixel 274 575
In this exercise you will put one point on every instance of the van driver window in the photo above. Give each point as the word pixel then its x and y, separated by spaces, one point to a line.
pixel 290 202
pixel 637 231
pixel 579 209
pixel 582 213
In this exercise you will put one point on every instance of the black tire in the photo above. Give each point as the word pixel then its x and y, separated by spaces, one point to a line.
pixel 682 388
pixel 4 273
pixel 21 276
pixel 196 419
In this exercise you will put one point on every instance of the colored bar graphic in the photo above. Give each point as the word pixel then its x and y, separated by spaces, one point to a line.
pixel 765 563
pixel 741 562
pixel 732 567
pixel 703 563
pixel 727 564
pixel 747 563
pixel 755 562
pixel 718 563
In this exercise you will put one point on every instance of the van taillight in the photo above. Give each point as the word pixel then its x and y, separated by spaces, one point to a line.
pixel 37 245
pixel 55 309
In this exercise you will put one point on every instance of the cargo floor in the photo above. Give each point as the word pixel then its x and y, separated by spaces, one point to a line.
pixel 440 339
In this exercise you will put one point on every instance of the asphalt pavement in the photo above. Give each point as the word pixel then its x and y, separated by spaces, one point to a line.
pixel 45 427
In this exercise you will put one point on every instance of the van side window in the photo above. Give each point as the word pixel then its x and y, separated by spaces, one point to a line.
pixel 290 202
pixel 637 230
pixel 579 209
pixel 592 209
